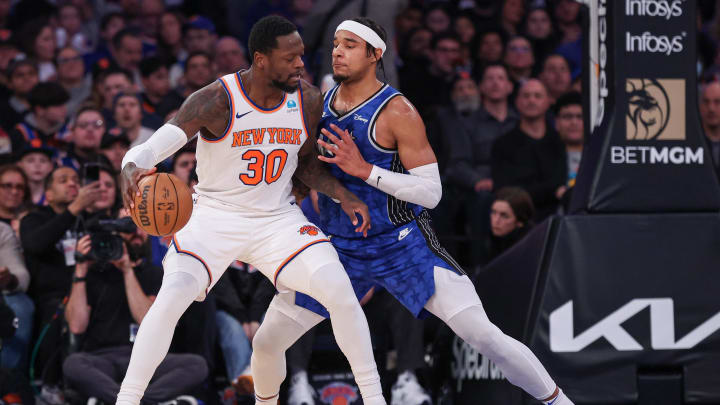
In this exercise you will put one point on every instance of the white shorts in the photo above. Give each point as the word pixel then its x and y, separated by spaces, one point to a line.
pixel 218 234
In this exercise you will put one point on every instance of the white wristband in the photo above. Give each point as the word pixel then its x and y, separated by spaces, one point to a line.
pixel 161 145
pixel 422 186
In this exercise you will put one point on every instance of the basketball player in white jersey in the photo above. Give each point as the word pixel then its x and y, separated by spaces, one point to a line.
pixel 388 161
pixel 257 129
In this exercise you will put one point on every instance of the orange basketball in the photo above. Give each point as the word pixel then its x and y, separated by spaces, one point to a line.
pixel 163 206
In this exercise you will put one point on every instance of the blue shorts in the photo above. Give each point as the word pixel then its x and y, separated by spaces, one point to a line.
pixel 401 261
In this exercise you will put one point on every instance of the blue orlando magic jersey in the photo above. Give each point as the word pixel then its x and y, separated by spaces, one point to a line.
pixel 386 211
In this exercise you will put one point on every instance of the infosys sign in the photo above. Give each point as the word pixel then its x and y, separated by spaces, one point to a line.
pixel 655 108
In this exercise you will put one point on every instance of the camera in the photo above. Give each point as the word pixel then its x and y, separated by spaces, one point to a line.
pixel 105 243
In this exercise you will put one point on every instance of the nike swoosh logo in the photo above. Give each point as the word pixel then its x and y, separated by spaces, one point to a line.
pixel 238 115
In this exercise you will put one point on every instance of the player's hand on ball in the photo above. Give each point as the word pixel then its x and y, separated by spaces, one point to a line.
pixel 129 179
pixel 352 205
pixel 347 155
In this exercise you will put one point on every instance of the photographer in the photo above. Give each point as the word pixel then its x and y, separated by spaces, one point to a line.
pixel 48 240
pixel 108 301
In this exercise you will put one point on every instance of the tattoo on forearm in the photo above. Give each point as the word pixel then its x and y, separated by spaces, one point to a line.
pixel 311 170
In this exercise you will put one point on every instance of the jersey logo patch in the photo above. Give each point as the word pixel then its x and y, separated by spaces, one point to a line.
pixel 292 106
pixel 358 117
pixel 309 230
pixel 404 233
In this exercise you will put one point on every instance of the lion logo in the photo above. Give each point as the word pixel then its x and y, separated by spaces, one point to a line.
pixel 650 114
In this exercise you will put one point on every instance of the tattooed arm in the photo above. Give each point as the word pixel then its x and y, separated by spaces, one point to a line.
pixel 312 171
pixel 206 110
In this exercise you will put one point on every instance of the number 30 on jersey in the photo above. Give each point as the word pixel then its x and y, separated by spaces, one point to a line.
pixel 263 167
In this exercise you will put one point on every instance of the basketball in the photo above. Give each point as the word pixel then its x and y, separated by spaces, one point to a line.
pixel 163 206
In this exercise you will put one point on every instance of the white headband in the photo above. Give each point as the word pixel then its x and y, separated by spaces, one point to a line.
pixel 364 32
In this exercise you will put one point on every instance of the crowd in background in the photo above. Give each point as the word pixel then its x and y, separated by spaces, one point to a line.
pixel 497 83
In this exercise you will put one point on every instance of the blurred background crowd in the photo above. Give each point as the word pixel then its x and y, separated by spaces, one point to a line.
pixel 497 82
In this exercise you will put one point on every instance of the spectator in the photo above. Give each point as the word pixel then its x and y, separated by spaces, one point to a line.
pixel 106 301
pixel 170 43
pixel 5 6
pixel 45 124
pixel 539 31
pixel 710 115
pixel 155 81
pixel 71 75
pixel 88 128
pixel 198 73
pixel 511 217
pixel 555 75
pixel 14 281
pixel 199 34
pixel 417 51
pixel 229 56
pixel 489 49
pixel 566 16
pixel 14 193
pixel 69 31
pixel 410 19
pixel 532 156
pixel 464 27
pixel 114 82
pixel 436 79
pixel 110 24
pixel 468 176
pixel 128 116
pixel 568 22
pixel 569 125
pixel 9 52
pixel 512 14
pixel 37 165
pixel 38 42
pixel 150 13
pixel 519 59
pixel 127 52
pixel 22 77
pixel 183 163
pixel 114 146
pixel 437 18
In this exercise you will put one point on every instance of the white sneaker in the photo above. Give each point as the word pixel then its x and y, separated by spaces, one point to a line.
pixel 407 391
pixel 301 392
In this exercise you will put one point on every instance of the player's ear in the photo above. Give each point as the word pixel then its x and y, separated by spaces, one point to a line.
pixel 378 54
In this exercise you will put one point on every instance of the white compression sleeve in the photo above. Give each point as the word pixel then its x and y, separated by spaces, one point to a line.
pixel 161 145
pixel 422 186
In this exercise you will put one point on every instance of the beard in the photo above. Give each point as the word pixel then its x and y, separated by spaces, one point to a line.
pixel 284 86
pixel 339 78
pixel 467 105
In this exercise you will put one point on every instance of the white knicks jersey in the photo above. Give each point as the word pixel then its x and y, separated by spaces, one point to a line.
pixel 251 165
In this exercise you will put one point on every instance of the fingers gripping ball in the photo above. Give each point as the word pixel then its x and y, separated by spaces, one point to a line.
pixel 163 206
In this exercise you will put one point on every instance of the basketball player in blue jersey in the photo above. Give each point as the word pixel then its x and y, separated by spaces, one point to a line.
pixel 258 129
pixel 375 143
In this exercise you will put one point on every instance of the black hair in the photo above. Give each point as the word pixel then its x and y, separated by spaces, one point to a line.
pixel 195 54
pixel 443 36
pixel 150 65
pixel 520 202
pixel 29 33
pixel 48 94
pixel 117 71
pixel 567 99
pixel 493 65
pixel 117 39
pixel 380 31
pixel 264 33
pixel 105 21
pixel 50 178
pixel 555 55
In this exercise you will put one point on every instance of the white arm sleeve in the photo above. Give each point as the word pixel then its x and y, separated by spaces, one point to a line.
pixel 422 186
pixel 161 145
